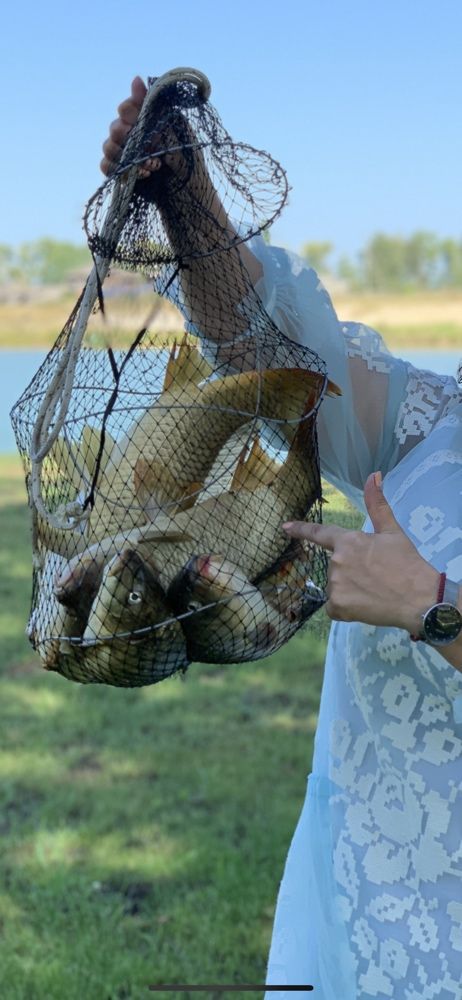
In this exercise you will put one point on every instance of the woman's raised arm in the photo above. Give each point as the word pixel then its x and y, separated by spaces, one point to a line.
pixel 189 227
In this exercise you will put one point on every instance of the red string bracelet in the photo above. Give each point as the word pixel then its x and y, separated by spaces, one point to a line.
pixel 439 598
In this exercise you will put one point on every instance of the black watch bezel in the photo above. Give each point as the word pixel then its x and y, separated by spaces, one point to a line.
pixel 442 624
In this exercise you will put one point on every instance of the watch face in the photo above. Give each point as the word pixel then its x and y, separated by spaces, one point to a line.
pixel 442 624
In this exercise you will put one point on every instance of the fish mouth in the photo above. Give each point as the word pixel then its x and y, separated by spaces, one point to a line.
pixel 199 566
pixel 70 583
pixel 196 583
pixel 184 587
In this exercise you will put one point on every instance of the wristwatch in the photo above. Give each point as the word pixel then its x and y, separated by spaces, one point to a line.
pixel 442 623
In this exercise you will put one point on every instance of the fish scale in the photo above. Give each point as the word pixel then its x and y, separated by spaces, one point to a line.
pixel 182 434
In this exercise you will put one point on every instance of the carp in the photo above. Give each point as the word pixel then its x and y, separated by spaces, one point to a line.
pixel 163 460
pixel 224 617
pixel 67 620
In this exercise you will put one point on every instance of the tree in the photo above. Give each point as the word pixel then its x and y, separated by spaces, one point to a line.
pixel 383 263
pixel 315 254
pixel 47 261
pixel 421 251
pixel 450 262
pixel 348 272
pixel 6 262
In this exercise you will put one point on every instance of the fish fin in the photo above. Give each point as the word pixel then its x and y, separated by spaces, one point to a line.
pixel 170 535
pixel 254 468
pixel 169 376
pixel 283 585
pixel 190 495
pixel 332 389
pixel 303 442
pixel 185 366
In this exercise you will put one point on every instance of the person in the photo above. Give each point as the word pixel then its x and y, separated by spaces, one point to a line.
pixel 370 903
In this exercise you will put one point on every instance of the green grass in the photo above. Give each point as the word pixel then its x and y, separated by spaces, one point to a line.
pixel 431 336
pixel 144 832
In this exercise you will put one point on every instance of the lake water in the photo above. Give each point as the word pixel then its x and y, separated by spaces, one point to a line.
pixel 18 367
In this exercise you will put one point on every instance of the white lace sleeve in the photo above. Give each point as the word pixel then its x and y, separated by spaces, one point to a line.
pixel 387 406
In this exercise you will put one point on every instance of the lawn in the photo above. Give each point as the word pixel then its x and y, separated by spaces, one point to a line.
pixel 144 831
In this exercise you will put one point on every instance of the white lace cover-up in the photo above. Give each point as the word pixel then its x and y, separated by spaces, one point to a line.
pixel 370 903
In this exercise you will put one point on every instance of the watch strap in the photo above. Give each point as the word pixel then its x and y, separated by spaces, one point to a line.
pixel 451 592
pixel 448 593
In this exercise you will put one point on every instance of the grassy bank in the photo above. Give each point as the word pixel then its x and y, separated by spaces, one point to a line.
pixel 426 319
pixel 415 319
pixel 144 832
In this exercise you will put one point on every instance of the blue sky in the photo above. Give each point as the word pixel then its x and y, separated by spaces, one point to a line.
pixel 360 101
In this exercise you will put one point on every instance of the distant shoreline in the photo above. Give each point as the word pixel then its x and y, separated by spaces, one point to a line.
pixel 417 320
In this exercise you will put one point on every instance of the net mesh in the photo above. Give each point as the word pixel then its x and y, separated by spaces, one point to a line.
pixel 159 477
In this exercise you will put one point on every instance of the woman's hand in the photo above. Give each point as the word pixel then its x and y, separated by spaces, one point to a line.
pixel 377 578
pixel 121 127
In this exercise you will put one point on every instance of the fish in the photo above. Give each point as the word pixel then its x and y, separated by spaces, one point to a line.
pixel 129 598
pixel 130 602
pixel 50 620
pixel 59 619
pixel 289 585
pixel 225 618
pixel 242 455
pixel 76 586
pixel 244 522
pixel 75 637
pixel 181 437
pixel 122 663
pixel 75 461
pixel 159 465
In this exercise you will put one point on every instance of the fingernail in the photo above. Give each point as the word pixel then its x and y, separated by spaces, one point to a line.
pixel 288 525
pixel 378 479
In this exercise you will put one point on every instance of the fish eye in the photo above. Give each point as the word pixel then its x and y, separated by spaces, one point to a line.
pixel 134 597
pixel 193 606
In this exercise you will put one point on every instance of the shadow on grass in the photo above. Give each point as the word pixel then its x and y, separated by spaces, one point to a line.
pixel 144 831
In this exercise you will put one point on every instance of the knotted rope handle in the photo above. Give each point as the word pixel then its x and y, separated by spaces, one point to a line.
pixel 58 393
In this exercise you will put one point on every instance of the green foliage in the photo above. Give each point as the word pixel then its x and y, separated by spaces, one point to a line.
pixel 451 260
pixel 348 273
pixel 6 261
pixel 393 263
pixel 43 262
pixel 386 263
pixel 390 263
pixel 144 832
pixel 315 254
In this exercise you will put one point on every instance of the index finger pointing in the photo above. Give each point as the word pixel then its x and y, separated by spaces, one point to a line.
pixel 325 535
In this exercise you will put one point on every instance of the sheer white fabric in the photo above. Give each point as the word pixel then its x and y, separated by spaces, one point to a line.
pixel 370 904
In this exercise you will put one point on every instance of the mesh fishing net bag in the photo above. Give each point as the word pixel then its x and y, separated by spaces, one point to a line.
pixel 159 476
